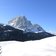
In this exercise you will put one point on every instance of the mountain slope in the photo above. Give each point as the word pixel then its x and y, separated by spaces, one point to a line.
pixel 22 23
pixel 8 33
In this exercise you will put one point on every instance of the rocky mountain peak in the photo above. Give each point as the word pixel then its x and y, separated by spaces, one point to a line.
pixel 21 22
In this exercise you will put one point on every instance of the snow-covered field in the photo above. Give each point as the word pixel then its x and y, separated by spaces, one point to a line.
pixel 44 47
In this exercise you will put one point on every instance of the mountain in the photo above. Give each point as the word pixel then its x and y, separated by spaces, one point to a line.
pixel 22 23
pixel 21 29
pixel 8 33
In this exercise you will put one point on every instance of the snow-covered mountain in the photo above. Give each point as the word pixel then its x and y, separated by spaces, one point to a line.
pixel 44 47
pixel 22 23
pixel 8 33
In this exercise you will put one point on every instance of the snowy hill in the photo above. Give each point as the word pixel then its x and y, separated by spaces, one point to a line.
pixel 22 23
pixel 44 47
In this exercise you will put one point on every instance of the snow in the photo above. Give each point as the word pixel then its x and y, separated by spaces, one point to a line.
pixel 11 24
pixel 44 47
pixel 21 22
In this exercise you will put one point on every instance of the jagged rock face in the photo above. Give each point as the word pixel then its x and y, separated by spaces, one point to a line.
pixel 22 23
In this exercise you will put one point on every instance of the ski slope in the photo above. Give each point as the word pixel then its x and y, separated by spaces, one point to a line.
pixel 44 47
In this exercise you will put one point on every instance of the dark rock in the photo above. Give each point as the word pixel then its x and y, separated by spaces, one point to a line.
pixel 8 33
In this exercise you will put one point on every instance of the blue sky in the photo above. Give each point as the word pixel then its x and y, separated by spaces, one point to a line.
pixel 42 12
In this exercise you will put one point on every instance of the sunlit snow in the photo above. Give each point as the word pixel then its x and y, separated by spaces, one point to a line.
pixel 44 47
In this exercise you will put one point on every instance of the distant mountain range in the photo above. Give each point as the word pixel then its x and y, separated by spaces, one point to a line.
pixel 21 29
